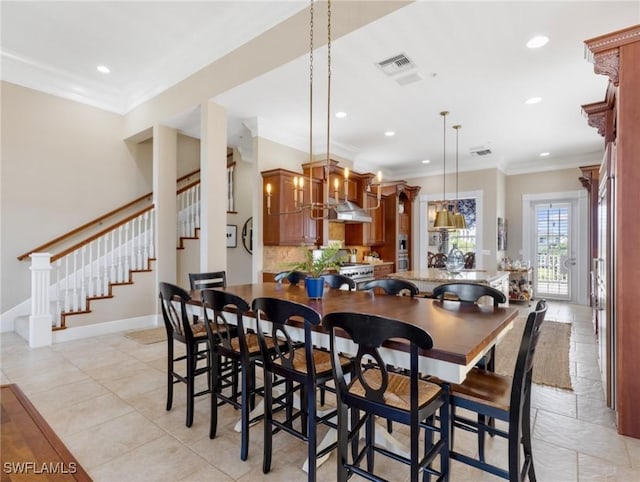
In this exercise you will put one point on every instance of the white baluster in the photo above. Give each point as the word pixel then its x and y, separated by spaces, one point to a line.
pixel 113 276
pixel 145 252
pixel 119 266
pixel 139 243
pixel 152 237
pixel 67 298
pixel 105 277
pixel 83 292
pixel 58 308
pixel 74 300
pixel 127 253
pixel 90 291
pixel 197 207
pixel 231 193
pixel 192 228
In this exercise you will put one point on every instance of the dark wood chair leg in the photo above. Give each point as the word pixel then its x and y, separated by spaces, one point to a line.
pixel 246 394
pixel 191 368
pixel 268 430
pixel 214 376
pixel 343 442
pixel 169 373
pixel 310 429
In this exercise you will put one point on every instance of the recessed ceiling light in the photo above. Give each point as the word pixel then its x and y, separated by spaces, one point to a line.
pixel 103 69
pixel 537 41
pixel 341 115
pixel 545 154
pixel 389 133
pixel 533 100
pixel 426 161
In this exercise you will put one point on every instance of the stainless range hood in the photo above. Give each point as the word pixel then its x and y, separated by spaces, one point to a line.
pixel 347 212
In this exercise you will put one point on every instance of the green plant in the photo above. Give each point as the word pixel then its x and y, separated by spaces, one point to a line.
pixel 328 259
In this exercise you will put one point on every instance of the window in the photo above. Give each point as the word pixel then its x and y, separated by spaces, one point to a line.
pixel 464 239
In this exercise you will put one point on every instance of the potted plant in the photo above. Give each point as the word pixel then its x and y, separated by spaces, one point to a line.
pixel 314 267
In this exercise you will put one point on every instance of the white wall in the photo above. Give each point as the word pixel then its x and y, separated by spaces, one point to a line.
pixel 63 163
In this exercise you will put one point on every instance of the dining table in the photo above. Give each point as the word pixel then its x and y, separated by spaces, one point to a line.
pixel 462 333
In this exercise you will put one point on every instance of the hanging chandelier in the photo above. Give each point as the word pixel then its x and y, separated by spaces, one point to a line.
pixel 458 219
pixel 301 201
pixel 444 217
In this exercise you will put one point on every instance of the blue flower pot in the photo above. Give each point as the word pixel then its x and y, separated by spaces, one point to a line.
pixel 315 287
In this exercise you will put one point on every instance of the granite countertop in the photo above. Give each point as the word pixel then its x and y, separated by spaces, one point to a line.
pixel 437 275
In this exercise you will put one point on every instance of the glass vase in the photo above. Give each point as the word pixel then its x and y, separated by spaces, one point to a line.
pixel 455 260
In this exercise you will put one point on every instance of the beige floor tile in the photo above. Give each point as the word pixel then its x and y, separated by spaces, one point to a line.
pixel 554 400
pixel 143 381
pixel 129 366
pixel 4 379
pixel 174 421
pixel 585 387
pixel 580 436
pixel 47 379
pixel 163 459
pixel 207 474
pixel 101 443
pixel 597 469
pixel 61 397
pixel 595 411
pixel 553 463
pixel 633 446
pixel 588 370
pixel 86 414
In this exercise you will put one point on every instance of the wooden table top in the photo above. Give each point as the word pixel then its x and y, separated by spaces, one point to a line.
pixel 460 331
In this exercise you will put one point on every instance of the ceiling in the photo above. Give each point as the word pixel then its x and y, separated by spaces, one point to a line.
pixel 469 58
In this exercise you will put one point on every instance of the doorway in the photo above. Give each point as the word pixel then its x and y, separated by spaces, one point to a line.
pixel 553 264
pixel 555 225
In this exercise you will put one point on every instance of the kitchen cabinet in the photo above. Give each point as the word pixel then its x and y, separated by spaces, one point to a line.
pixel 617 119
pixel 382 270
pixel 368 234
pixel 398 215
pixel 286 226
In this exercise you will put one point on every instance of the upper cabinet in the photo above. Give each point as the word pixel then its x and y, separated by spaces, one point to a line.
pixel 398 221
pixel 286 225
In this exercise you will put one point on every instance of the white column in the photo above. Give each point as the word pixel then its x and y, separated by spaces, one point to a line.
pixel 40 321
pixel 213 190
pixel 165 153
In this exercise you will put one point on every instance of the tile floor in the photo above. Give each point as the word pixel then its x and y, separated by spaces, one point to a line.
pixel 105 398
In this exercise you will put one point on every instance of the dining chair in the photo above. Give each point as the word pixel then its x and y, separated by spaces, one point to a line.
pixel 469 260
pixel 337 281
pixel 184 328
pixel 293 277
pixel 436 260
pixel 213 279
pixel 230 340
pixel 393 286
pixel 500 397
pixel 405 398
pixel 305 369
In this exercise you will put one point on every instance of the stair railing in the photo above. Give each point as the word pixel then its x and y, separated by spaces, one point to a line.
pixel 88 269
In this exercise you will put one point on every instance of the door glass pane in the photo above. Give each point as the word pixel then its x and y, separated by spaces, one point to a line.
pixel 552 248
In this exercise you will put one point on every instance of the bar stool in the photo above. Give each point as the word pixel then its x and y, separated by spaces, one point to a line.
pixel 378 392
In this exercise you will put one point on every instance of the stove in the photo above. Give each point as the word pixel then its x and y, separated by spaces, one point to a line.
pixel 360 273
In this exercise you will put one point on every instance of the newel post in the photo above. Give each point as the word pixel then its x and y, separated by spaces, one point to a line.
pixel 40 321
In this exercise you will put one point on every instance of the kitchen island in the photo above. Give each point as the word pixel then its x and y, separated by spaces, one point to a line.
pixel 426 280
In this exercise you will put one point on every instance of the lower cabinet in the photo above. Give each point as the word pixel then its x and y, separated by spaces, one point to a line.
pixel 382 270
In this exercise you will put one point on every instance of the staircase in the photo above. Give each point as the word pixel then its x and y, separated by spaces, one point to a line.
pixel 74 288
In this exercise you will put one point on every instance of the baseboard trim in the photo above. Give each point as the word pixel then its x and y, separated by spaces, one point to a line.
pixel 97 329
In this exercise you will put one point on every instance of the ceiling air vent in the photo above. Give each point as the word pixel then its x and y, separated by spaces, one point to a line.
pixel 480 151
pixel 396 64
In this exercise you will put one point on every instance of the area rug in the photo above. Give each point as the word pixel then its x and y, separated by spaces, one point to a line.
pixel 551 362
pixel 149 336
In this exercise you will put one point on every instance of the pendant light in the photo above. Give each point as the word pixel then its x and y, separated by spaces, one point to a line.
pixel 305 201
pixel 458 219
pixel 444 218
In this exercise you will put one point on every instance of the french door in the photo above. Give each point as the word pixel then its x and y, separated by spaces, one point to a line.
pixel 555 258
